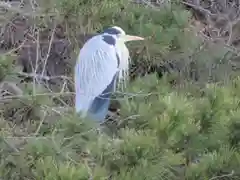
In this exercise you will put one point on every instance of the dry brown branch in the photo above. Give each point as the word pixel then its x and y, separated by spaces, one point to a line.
pixel 49 49
pixel 9 88
pixel 221 19
pixel 40 94
pixel 45 78
pixel 222 176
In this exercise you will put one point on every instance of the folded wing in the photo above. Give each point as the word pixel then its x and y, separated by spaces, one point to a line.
pixel 95 69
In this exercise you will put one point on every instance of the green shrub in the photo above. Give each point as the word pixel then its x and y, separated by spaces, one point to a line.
pixel 163 28
pixel 162 132
pixel 167 134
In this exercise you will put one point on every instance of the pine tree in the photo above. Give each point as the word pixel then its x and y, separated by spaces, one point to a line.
pixel 168 128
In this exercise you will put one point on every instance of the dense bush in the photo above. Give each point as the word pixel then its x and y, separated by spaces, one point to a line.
pixel 165 134
pixel 187 131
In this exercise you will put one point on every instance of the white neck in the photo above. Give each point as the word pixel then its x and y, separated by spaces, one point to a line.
pixel 124 61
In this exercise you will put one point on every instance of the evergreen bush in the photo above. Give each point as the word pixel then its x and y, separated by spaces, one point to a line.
pixel 163 132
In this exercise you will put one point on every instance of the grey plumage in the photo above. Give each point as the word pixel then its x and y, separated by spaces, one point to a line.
pixel 102 61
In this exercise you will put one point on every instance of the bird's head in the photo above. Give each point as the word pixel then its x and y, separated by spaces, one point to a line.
pixel 117 37
pixel 120 34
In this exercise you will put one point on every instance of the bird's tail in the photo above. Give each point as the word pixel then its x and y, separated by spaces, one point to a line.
pixel 82 104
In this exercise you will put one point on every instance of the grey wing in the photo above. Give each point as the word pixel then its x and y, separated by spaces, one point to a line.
pixel 95 69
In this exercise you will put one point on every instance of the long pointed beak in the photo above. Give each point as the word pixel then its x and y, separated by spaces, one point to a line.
pixel 131 38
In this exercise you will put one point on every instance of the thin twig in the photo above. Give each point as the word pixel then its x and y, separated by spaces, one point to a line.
pixel 198 8
pixel 49 49
pixel 46 78
pixel 41 122
pixel 222 176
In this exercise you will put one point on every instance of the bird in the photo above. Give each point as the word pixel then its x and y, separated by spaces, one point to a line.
pixel 102 64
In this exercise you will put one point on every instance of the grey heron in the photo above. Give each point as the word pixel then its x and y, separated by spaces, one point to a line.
pixel 102 63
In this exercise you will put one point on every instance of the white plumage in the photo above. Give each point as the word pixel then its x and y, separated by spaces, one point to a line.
pixel 99 64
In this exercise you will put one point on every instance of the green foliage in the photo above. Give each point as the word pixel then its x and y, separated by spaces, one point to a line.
pixel 165 134
pixel 162 132
pixel 200 128
pixel 163 28
pixel 6 66
pixel 166 29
